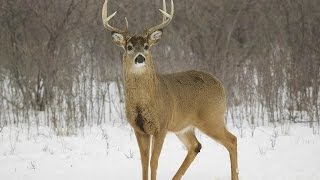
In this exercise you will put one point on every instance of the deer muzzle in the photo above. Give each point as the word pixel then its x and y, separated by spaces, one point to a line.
pixel 139 59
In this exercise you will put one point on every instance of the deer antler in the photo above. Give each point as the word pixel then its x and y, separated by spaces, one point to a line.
pixel 166 18
pixel 106 19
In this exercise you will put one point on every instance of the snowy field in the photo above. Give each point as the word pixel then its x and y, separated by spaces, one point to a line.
pixel 111 152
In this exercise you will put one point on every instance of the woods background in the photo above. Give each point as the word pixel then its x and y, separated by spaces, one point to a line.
pixel 59 68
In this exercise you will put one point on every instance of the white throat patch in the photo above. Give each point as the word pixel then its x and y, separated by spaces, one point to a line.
pixel 138 68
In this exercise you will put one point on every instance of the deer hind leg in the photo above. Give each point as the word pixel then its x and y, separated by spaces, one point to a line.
pixel 231 145
pixel 193 146
pixel 228 140
pixel 144 147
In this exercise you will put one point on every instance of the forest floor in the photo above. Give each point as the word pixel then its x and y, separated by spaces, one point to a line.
pixel 111 152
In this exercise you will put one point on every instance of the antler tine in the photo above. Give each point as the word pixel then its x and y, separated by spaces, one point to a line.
pixel 127 24
pixel 164 7
pixel 106 19
pixel 166 18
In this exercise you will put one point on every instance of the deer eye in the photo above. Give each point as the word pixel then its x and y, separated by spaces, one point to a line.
pixel 146 47
pixel 129 47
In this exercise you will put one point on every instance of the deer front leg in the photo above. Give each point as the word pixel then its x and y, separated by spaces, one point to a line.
pixel 144 147
pixel 157 142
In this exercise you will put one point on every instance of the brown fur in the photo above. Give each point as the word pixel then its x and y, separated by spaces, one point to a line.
pixel 176 102
pixel 179 102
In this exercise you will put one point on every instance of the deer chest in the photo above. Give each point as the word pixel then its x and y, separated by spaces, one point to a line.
pixel 143 119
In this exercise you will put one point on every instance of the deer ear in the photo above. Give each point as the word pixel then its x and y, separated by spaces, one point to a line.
pixel 118 39
pixel 155 37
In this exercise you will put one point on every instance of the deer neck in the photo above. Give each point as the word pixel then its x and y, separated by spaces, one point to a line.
pixel 141 87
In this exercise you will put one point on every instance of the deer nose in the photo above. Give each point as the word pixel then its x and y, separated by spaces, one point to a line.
pixel 139 59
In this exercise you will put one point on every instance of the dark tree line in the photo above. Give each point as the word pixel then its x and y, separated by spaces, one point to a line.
pixel 55 56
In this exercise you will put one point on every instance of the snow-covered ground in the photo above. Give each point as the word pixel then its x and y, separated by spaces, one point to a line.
pixel 111 152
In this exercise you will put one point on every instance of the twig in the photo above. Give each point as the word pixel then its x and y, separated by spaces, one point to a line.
pixel 1 127
pixel 11 102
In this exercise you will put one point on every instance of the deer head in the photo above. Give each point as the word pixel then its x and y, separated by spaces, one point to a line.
pixel 137 56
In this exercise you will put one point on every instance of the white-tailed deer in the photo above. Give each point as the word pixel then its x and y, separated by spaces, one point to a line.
pixel 178 103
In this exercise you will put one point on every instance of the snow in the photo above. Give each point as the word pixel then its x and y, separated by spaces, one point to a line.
pixel 111 152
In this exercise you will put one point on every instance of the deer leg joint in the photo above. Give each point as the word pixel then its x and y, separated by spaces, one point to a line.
pixel 198 148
